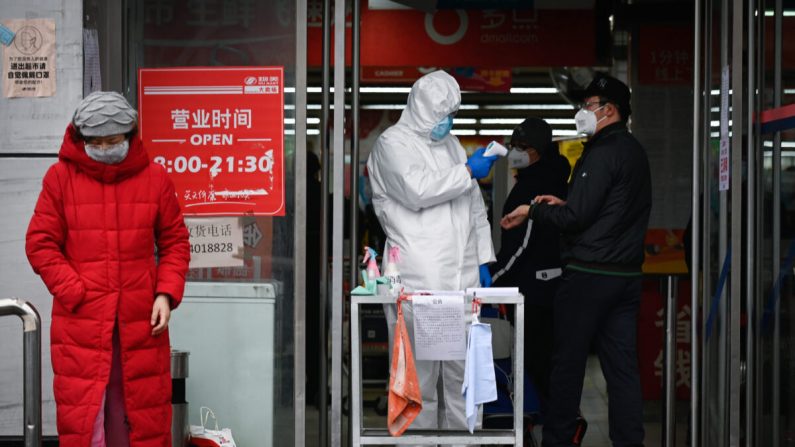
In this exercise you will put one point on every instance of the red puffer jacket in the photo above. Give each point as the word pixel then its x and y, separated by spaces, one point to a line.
pixel 92 239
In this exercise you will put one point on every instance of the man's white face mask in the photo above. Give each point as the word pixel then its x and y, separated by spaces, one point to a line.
pixel 585 121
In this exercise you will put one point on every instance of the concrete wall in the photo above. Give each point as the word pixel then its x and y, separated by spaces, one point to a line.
pixel 20 183
pixel 32 126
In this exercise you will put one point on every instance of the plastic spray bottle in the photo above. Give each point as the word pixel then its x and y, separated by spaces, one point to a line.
pixel 391 271
pixel 372 265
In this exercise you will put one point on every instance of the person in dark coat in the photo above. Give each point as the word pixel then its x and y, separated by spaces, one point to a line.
pixel 603 221
pixel 529 256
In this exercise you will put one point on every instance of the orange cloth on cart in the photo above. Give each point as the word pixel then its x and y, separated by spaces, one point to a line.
pixel 405 398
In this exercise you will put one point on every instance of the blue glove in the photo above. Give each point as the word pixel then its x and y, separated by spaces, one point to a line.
pixel 479 164
pixel 485 276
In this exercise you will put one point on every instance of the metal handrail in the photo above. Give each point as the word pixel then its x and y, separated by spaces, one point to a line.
pixel 31 326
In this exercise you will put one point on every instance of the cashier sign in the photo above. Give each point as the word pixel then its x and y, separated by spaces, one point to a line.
pixel 219 133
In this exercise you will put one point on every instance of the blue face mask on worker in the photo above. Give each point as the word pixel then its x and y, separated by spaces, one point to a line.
pixel 442 128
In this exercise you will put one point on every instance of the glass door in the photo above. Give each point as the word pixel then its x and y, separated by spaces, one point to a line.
pixel 242 319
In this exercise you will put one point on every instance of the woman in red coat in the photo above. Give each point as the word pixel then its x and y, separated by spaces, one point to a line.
pixel 108 239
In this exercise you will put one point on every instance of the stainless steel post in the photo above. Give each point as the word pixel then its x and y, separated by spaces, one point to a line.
pixel 777 91
pixel 31 327
pixel 669 360
pixel 299 227
pixel 695 237
pixel 354 200
pixel 325 150
pixel 737 208
pixel 353 234
pixel 337 297
pixel 750 221
pixel 704 233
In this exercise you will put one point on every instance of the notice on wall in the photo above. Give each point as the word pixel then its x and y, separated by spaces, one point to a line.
pixel 439 327
pixel 215 242
pixel 219 133
pixel 29 60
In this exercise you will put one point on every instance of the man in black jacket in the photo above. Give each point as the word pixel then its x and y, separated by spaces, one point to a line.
pixel 529 256
pixel 603 223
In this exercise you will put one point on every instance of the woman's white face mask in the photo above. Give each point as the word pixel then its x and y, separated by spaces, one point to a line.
pixel 518 159
pixel 111 155
pixel 522 158
pixel 585 121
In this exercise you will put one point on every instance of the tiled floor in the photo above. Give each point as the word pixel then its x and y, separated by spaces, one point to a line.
pixel 594 408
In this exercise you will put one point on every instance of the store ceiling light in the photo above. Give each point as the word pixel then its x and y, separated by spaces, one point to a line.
pixel 464 132
pixel 519 120
pixel 308 131
pixel 457 121
pixel 384 107
pixel 308 121
pixel 534 90
pixel 529 107
pixel 495 132
pixel 788 144
pixel 501 120
pixel 785 13
pixel 384 89
pixel 564 133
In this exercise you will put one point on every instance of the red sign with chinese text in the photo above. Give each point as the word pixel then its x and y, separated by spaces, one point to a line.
pixel 665 55
pixel 219 132
pixel 466 38
pixel 651 337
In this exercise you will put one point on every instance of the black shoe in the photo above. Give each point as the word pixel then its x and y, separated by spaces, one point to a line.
pixel 579 433
pixel 529 439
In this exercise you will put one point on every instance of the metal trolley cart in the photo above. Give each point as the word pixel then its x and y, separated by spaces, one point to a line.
pixel 368 436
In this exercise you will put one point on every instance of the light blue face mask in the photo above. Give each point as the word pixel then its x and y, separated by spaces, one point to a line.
pixel 442 128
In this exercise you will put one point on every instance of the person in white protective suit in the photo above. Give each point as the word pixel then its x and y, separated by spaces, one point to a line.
pixel 427 199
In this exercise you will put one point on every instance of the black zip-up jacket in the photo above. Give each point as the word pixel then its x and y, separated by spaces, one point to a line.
pixel 607 212
pixel 522 255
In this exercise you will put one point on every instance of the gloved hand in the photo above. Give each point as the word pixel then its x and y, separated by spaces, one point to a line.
pixel 485 276
pixel 479 164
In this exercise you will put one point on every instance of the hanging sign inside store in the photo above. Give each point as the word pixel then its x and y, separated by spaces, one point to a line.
pixel 219 133
pixel 485 38
pixel 665 55
pixel 29 58
pixel 484 4
pixel 469 78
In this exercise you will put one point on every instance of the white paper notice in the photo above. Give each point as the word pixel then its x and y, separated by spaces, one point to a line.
pixel 29 62
pixel 215 242
pixel 439 328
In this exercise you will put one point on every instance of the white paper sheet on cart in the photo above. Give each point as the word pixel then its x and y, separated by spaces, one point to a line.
pixel 439 292
pixel 439 328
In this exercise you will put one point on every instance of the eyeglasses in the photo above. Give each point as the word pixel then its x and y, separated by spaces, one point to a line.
pixel 517 147
pixel 588 105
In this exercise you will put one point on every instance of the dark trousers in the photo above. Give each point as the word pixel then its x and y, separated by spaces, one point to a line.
pixel 601 309
pixel 538 339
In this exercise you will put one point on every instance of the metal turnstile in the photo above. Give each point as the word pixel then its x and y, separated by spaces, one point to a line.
pixel 31 327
